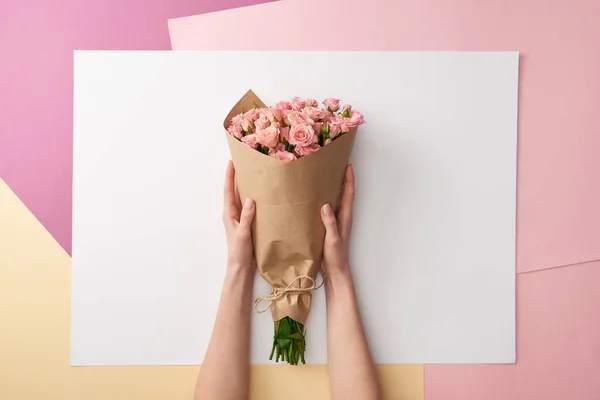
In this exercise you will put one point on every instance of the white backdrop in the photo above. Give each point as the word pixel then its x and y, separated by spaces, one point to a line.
pixel 433 251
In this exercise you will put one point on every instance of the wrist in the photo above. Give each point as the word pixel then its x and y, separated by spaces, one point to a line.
pixel 238 278
pixel 239 272
pixel 236 267
pixel 341 277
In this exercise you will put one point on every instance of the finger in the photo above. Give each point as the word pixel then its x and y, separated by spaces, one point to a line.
pixel 247 215
pixel 238 202
pixel 347 202
pixel 328 218
pixel 230 211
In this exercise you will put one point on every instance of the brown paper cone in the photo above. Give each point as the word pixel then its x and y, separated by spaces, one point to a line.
pixel 287 232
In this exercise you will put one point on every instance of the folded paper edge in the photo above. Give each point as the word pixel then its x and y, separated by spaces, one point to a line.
pixel 241 105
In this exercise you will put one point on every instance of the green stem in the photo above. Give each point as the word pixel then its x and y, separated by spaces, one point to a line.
pixel 273 349
pixel 293 334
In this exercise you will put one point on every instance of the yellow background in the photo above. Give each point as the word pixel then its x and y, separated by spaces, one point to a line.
pixel 34 336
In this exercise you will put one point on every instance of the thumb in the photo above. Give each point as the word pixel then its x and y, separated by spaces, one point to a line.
pixel 247 216
pixel 328 218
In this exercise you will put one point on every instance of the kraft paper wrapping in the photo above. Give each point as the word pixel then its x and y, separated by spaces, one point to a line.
pixel 287 231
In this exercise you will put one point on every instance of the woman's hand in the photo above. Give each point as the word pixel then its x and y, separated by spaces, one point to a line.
pixel 238 223
pixel 225 372
pixel 352 373
pixel 338 227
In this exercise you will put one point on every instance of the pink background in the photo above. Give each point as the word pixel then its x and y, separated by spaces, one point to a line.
pixel 37 39
pixel 558 323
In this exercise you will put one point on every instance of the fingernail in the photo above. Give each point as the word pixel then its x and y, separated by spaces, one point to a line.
pixel 326 209
pixel 248 203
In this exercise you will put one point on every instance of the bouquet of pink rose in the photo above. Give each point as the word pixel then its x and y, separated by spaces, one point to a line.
pixel 287 231
pixel 293 129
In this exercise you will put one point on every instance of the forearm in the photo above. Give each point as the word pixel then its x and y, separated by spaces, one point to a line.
pixel 351 371
pixel 224 375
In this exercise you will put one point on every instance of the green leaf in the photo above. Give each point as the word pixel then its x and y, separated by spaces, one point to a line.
pixel 283 342
pixel 284 326
pixel 346 113
pixel 297 336
pixel 254 107
pixel 325 129
pixel 265 150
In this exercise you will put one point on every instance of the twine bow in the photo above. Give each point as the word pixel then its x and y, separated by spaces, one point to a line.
pixel 278 293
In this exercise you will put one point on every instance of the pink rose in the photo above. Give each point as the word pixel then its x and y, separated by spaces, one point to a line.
pixel 306 150
pixel 262 122
pixel 302 135
pixel 274 114
pixel 246 125
pixel 251 114
pixel 328 118
pixel 347 111
pixel 331 104
pixel 326 142
pixel 317 127
pixel 342 123
pixel 311 103
pixel 284 156
pixel 237 120
pixel 298 104
pixel 334 130
pixel 250 140
pixel 350 123
pixel 284 116
pixel 284 132
pixel 280 147
pixel 268 137
pixel 357 118
pixel 313 113
pixel 296 118
pixel 236 131
pixel 284 105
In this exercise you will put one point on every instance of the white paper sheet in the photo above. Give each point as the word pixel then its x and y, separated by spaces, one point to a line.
pixel 433 251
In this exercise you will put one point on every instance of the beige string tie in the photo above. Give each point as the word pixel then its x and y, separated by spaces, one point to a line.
pixel 278 293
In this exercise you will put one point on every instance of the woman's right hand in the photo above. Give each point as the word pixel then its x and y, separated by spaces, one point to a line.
pixel 238 223
pixel 338 226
